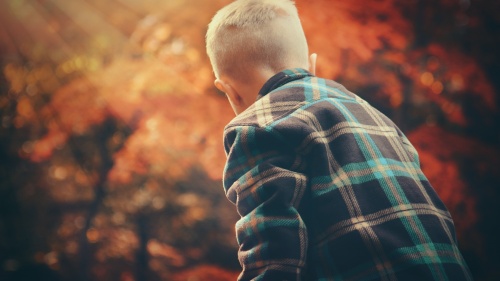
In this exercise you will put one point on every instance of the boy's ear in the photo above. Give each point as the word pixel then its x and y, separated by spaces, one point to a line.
pixel 230 92
pixel 312 63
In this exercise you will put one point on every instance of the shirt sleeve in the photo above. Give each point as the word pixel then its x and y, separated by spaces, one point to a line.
pixel 260 179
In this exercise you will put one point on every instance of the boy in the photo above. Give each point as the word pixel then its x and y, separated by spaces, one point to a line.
pixel 327 187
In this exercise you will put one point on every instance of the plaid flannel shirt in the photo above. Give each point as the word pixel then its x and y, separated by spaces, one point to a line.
pixel 328 188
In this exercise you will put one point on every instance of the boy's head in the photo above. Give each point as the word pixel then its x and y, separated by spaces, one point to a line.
pixel 249 40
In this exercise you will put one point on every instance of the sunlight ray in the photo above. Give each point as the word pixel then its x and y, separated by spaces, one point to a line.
pixel 146 6
pixel 134 6
pixel 85 17
pixel 38 18
pixel 25 36
pixel 7 44
pixel 17 33
pixel 116 14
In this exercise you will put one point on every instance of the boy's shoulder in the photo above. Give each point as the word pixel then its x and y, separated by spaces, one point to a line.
pixel 304 95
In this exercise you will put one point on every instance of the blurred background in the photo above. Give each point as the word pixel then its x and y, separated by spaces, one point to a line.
pixel 111 129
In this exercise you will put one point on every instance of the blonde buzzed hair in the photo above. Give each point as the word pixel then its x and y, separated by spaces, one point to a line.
pixel 256 33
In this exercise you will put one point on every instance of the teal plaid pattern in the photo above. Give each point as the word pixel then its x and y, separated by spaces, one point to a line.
pixel 328 188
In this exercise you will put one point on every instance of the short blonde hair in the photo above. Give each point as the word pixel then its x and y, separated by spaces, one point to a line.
pixel 252 33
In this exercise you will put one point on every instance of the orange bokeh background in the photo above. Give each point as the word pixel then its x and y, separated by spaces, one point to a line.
pixel 111 128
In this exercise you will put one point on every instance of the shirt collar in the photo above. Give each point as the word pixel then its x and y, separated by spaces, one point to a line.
pixel 281 79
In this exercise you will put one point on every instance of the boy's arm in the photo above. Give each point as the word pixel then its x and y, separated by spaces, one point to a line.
pixel 259 178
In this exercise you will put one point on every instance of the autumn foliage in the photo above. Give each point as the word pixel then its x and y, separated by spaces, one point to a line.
pixel 111 128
